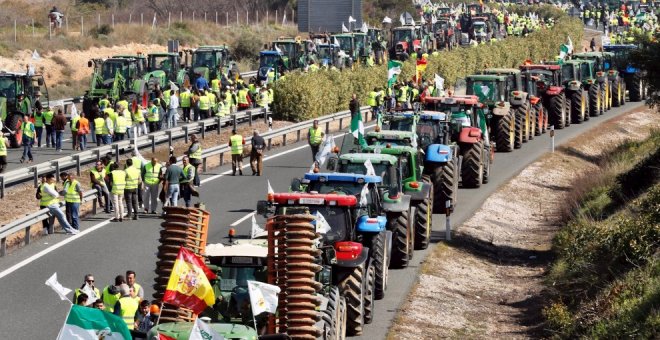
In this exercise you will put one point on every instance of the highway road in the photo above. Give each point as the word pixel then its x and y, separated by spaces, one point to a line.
pixel 106 249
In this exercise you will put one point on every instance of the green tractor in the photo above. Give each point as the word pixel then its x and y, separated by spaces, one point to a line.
pixel 11 86
pixel 608 78
pixel 296 53
pixel 590 82
pixel 116 77
pixel 572 75
pixel 525 119
pixel 210 62
pixel 163 68
pixel 504 107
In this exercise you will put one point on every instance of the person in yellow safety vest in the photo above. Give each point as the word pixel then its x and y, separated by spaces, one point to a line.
pixel 27 128
pixel 120 126
pixel 236 142
pixel 38 125
pixel 48 197
pixel 104 102
pixel 50 131
pixel 73 194
pixel 414 94
pixel 214 103
pixel 271 76
pixel 153 116
pixel 108 129
pixel 185 97
pixel 215 85
pixel 151 177
pixel 4 144
pixel 271 95
pixel 166 97
pixel 122 104
pixel 194 152
pixel 243 98
pixel 117 180
pixel 131 189
pixel 370 61
pixel 99 124
pixel 312 67
pixel 262 98
pixel 24 104
pixel 127 306
pixel 74 131
pixel 97 179
pixel 315 137
pixel 88 288
pixel 128 117
pixel 219 108
pixel 110 294
pixel 140 121
pixel 372 100
pixel 185 182
pixel 204 105
pixel 136 289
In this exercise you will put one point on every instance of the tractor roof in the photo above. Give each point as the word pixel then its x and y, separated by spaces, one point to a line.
pixel 621 47
pixel 12 74
pixel 550 67
pixel 126 56
pixel 486 77
pixel 340 177
pixel 295 198
pixel 375 158
pixel 269 52
pixel 391 150
pixel 212 48
pixel 593 54
pixel 163 54
pixel 430 115
pixel 244 248
pixel 391 134
pixel 399 114
pixel 454 99
pixel 501 71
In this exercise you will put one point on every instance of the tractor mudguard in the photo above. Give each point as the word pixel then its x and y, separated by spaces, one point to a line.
pixel 438 153
pixel 366 224
pixel 501 110
pixel 363 257
pixel 400 205
pixel 574 85
pixel 469 135
pixel 601 76
pixel 419 194
pixel 554 90
pixel 534 100
pixel 518 100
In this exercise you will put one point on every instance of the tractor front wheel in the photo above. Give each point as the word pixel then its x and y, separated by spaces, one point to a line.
pixel 445 185
pixel 353 287
pixel 557 111
pixel 506 132
pixel 636 92
pixel 594 100
pixel 423 222
pixel 520 127
pixel 370 283
pixel 473 165
pixel 399 224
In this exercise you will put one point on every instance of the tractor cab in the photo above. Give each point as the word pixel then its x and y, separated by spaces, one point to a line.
pixel 391 137
pixel 270 61
pixel 547 74
pixel 208 60
pixel 140 61
pixel 295 52
pixel 397 121
pixel 475 9
pixel 443 11
pixel 456 113
pixel 328 55
pixel 491 90
pixel 514 82
pixel 405 39
pixel 11 86
pixel 168 64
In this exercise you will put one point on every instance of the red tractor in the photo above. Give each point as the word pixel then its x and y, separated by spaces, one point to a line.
pixel 549 87
pixel 530 83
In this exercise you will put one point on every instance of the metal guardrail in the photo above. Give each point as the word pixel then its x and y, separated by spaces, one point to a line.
pixel 24 223
pixel 55 166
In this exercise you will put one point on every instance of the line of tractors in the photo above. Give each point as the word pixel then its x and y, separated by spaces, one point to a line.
pixel 330 241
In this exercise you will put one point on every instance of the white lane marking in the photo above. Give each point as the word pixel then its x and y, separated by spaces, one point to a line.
pixel 106 222
pixel 51 249
pixel 240 220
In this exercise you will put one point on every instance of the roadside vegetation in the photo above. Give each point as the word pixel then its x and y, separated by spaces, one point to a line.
pixel 605 282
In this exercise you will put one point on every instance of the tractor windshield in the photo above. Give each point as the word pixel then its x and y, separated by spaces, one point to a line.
pixel 385 170
pixel 339 187
pixel 269 60
pixel 427 132
pixel 391 140
pixel 325 52
pixel 585 70
pixel 337 217
pixel 399 124
pixel 208 59
pixel 9 88
pixel 486 90
pixel 401 35
pixel 360 41
pixel 567 73
pixel 345 43
pixel 163 63
pixel 232 277
pixel 110 69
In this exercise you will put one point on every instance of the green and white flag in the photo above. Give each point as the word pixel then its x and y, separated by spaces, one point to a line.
pixel 565 49
pixel 357 127
pixel 84 323
pixel 202 331
pixel 393 69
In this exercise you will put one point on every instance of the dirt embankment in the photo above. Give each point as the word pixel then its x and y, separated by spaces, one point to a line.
pixel 487 283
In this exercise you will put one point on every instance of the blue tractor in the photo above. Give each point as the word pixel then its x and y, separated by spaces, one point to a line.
pixel 633 77
pixel 270 61
pixel 370 221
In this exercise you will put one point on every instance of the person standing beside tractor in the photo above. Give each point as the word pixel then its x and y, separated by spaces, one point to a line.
pixel 27 128
pixel 236 142
pixel 315 137
pixel 48 122
pixel 83 130
pixel 185 99
pixel 38 126
pixel 152 116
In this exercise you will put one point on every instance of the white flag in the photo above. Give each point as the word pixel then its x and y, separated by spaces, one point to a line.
pixel 439 83
pixel 270 189
pixel 570 45
pixel 370 168
pixel 343 28
pixel 387 20
pixel 257 231
pixel 350 19
pixel 325 150
pixel 31 71
pixel 202 331
pixel 322 225
pixel 402 20
pixel 363 195
pixel 434 19
pixel 57 287
pixel 422 20
pixel 364 28
pixel 336 42
pixel 35 55
pixel 277 49
pixel 91 294
pixel 263 297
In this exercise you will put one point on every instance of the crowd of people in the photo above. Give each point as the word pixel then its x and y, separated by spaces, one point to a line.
pixel 124 298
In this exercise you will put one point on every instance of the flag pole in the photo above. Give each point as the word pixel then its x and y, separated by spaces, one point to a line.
pixel 255 323
pixel 160 312
pixel 59 334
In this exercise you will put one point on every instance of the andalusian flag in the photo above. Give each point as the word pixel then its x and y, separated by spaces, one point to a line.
pixel 393 69
pixel 420 68
pixel 565 49
pixel 189 283
pixel 357 127
pixel 86 323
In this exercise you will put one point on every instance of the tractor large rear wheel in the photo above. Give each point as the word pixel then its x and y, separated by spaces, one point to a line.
pixel 578 106
pixel 353 287
pixel 445 185
pixel 604 100
pixel 636 91
pixel 594 100
pixel 506 132
pixel 424 222
pixel 520 127
pixel 472 171
pixel 557 111
pixel 369 295
pixel 541 119
pixel 331 317
pixel 399 224
pixel 13 122
pixel 380 262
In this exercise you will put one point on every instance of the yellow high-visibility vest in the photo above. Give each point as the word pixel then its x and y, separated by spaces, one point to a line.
pixel 70 193
pixel 46 198
pixel 118 182
pixel 132 178
pixel 315 136
pixel 236 144
pixel 151 173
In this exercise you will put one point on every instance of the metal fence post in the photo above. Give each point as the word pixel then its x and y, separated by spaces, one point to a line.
pixel 77 158
pixel 36 176
pixel 250 118
pixel 169 137
pixel 203 129
pixel 270 140
pixel 219 124
pixel 2 186
pixel 153 143
pixel 284 139
pixel 298 136
pixel 185 133
pixel 116 151
pixel 341 123
pixel 327 127
pixel 204 164
pixel 222 158
pixel 98 154
pixel 57 170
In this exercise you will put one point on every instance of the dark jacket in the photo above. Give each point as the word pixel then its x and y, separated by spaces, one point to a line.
pixel 59 122
pixel 258 143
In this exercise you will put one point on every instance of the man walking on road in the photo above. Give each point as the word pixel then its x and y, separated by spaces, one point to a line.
pixel 39 126
pixel 153 116
pixel 118 181
pixel 49 199
pixel 315 137
pixel 83 131
pixel 97 177
pixel 236 142
pixel 171 182
pixel 173 113
pixel 257 154
pixel 48 122
pixel 195 154
pixel 59 125
pixel 28 138
pixel 151 179
pixel 132 188
pixel 73 195
pixel 185 182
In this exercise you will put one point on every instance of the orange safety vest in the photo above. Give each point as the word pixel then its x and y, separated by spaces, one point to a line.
pixel 83 128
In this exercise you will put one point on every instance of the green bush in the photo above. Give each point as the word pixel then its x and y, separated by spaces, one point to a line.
pixel 247 46
pixel 300 96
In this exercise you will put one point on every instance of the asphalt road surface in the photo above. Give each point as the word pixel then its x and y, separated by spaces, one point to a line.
pixel 106 249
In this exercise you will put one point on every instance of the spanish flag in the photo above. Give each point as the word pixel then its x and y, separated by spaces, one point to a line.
pixel 189 284
pixel 420 68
